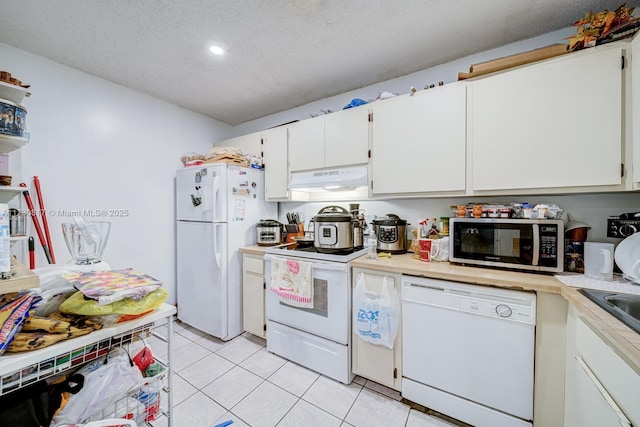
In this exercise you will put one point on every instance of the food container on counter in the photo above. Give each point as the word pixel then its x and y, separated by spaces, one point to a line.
pixel 17 222
pixel 505 212
pixel 13 118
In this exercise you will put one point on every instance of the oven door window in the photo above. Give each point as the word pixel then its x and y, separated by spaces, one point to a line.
pixel 510 243
pixel 320 299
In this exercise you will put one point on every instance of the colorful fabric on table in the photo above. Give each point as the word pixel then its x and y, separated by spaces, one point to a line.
pixel 13 310
pixel 107 287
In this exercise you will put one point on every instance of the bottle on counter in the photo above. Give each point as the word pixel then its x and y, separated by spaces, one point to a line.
pixel 433 232
pixel 526 210
pixel 372 244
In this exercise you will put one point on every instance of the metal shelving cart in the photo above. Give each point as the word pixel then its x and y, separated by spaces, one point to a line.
pixel 21 369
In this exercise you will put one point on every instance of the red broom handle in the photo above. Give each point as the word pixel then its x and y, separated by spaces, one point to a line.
pixel 43 214
pixel 36 223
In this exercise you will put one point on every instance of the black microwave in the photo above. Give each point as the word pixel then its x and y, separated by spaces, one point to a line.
pixel 520 244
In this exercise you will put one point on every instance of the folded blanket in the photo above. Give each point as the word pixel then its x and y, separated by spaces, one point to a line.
pixel 292 281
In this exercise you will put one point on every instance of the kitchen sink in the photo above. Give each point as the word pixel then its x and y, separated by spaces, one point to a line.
pixel 624 307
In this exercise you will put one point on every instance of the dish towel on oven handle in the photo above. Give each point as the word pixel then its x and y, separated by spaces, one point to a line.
pixel 376 315
pixel 292 281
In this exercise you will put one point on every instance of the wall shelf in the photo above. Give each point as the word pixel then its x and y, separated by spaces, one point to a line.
pixel 9 192
pixel 11 143
pixel 13 93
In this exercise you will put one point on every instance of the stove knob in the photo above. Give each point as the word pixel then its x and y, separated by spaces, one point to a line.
pixel 503 310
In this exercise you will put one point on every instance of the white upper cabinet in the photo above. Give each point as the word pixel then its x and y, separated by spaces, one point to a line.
pixel 274 157
pixel 631 117
pixel 306 144
pixel 333 140
pixel 346 137
pixel 549 127
pixel 418 143
pixel 249 144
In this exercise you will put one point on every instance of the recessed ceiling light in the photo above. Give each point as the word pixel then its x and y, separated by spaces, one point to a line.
pixel 217 50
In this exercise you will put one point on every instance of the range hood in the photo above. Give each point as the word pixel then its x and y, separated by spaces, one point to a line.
pixel 336 179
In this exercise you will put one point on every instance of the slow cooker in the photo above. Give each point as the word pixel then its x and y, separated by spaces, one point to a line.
pixel 268 232
pixel 392 233
pixel 333 230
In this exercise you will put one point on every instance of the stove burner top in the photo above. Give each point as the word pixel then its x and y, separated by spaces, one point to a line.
pixel 311 252
pixel 314 249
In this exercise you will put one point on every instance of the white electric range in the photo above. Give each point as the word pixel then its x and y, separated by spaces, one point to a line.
pixel 318 338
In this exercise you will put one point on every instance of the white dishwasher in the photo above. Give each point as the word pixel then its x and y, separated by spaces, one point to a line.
pixel 468 351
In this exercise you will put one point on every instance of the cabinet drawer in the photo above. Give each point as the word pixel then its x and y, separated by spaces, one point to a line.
pixel 253 265
pixel 615 375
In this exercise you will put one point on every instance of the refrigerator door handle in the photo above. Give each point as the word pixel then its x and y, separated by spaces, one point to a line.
pixel 216 245
pixel 215 186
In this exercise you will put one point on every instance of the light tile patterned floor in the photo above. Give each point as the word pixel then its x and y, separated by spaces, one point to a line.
pixel 239 380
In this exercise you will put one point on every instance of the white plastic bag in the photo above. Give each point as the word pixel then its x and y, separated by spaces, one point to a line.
pixel 104 384
pixel 111 422
pixel 376 316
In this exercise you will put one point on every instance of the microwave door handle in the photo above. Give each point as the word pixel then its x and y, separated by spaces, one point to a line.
pixel 536 244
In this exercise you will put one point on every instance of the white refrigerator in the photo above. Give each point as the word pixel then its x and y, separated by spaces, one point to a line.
pixel 217 208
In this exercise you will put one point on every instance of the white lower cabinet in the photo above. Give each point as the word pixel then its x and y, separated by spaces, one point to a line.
pixel 253 289
pixel 373 362
pixel 601 388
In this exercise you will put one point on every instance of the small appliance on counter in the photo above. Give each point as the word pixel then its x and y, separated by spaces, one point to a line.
pixel 86 240
pixel 575 235
pixel 624 225
pixel 333 230
pixel 269 232
pixel 359 225
pixel 517 244
pixel 392 233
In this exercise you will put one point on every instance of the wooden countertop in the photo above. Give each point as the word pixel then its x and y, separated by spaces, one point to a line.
pixel 622 339
pixel 22 280
pixel 405 264
pixel 253 250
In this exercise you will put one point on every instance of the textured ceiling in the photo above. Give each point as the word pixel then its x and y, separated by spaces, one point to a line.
pixel 280 53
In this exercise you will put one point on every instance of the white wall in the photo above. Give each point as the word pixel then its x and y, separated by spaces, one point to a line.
pixel 446 72
pixel 98 145
pixel 592 209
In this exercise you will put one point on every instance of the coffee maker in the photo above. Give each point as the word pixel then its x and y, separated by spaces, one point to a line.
pixel 575 235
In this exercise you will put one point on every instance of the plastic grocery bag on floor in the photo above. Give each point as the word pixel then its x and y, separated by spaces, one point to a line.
pixel 105 381
pixel 376 316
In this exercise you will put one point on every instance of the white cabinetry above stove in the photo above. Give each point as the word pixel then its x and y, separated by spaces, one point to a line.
pixel 418 143
pixel 329 141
